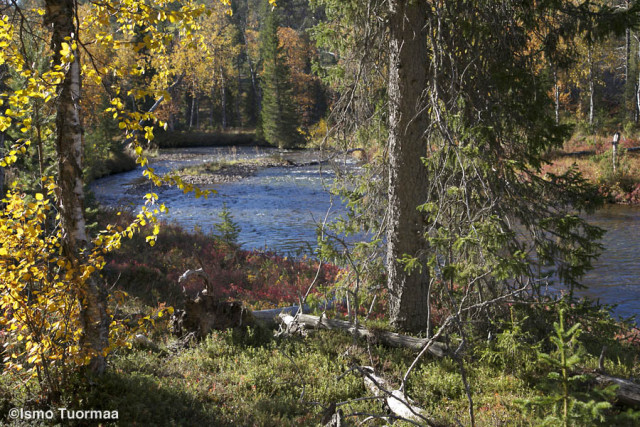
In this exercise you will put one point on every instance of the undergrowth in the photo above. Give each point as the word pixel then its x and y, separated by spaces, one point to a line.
pixel 249 377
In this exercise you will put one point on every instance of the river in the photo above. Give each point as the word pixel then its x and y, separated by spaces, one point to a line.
pixel 279 209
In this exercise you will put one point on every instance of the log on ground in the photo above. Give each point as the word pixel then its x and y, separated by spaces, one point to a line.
pixel 391 339
pixel 627 393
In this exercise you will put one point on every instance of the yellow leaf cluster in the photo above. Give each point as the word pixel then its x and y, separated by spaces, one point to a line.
pixel 41 287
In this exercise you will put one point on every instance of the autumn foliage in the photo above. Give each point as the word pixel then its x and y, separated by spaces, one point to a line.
pixel 41 289
pixel 257 278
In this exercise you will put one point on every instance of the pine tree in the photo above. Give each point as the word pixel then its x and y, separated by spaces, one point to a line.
pixel 279 119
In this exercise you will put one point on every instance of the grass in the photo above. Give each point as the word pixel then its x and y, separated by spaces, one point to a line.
pixel 289 382
pixel 249 377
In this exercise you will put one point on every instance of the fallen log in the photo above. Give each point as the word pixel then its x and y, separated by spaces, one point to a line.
pixel 399 404
pixel 391 339
pixel 627 393
pixel 269 317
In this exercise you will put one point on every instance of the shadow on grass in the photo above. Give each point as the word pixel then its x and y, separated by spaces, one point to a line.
pixel 141 399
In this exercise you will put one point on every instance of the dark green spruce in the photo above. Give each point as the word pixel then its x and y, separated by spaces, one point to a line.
pixel 278 118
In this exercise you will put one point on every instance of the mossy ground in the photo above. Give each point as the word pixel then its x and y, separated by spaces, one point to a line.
pixel 249 377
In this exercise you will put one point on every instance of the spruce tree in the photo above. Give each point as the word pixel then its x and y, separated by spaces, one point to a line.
pixel 279 119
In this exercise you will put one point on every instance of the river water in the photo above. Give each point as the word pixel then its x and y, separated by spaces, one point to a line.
pixel 280 208
pixel 615 278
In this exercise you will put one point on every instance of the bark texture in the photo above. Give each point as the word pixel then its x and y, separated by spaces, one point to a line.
pixel 61 16
pixel 407 174
pixel 390 339
pixel 627 393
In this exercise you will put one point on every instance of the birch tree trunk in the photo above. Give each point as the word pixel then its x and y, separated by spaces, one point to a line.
pixel 61 15
pixel 556 93
pixel 407 175
pixel 592 89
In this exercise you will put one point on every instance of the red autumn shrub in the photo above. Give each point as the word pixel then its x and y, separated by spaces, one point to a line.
pixel 259 279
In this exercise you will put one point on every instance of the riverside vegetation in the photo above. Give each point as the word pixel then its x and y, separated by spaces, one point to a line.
pixel 519 375
pixel 592 156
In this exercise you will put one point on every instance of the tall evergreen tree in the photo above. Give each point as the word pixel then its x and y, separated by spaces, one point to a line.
pixel 469 217
pixel 279 119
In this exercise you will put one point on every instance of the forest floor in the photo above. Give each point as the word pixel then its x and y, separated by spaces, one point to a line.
pixel 248 376
pixel 251 377
pixel 592 156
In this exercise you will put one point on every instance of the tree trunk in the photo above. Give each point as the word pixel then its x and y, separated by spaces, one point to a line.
pixel 255 110
pixel 171 124
pixel 213 107
pixel 638 99
pixel 591 87
pixel 197 112
pixel 61 14
pixel 627 50
pixel 627 393
pixel 390 339
pixel 192 111
pixel 627 67
pixel 557 94
pixel 223 94
pixel 628 80
pixel 407 175
pixel 237 98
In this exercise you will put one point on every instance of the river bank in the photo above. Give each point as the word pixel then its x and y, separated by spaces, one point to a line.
pixel 122 160
pixel 261 279
pixel 249 376
pixel 279 208
pixel 593 157
pixel 187 139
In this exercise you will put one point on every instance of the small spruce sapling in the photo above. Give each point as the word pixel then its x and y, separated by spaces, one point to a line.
pixel 569 406
pixel 227 230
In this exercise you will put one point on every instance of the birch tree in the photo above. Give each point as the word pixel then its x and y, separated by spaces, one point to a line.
pixel 140 26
